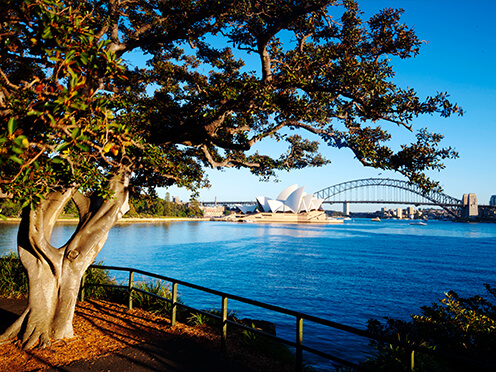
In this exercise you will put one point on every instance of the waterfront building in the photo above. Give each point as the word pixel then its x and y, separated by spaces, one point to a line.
pixel 399 213
pixel 292 205
pixel 411 211
pixel 216 211
pixel 291 199
pixel 492 200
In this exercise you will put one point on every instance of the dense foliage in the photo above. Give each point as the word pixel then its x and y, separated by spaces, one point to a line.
pixel 13 277
pixel 147 206
pixel 459 326
pixel 220 76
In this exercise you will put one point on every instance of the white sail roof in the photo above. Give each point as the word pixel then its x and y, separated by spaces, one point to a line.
pixel 291 199
pixel 294 200
pixel 246 208
pixel 286 192
pixel 275 206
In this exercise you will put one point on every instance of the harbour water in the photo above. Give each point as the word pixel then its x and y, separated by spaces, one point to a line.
pixel 346 273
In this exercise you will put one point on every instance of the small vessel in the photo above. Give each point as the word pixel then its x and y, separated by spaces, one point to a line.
pixel 419 223
pixel 376 219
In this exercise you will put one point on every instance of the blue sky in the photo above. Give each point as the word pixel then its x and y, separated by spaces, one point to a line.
pixel 459 57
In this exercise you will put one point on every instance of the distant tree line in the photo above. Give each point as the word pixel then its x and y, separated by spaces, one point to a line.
pixel 139 206
pixel 153 206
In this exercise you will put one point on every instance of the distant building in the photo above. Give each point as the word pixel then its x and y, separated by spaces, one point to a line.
pixel 399 213
pixel 216 211
pixel 492 200
pixel 411 211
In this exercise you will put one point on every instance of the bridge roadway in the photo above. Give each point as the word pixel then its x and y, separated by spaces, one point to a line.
pixel 234 203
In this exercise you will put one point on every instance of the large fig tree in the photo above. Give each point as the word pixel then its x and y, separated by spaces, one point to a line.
pixel 100 98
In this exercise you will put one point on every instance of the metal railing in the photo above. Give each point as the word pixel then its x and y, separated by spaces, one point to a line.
pixel 299 318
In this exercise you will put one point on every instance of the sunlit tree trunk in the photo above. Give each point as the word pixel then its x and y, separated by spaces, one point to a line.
pixel 55 273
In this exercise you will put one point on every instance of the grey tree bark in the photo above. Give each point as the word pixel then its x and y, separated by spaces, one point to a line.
pixel 55 273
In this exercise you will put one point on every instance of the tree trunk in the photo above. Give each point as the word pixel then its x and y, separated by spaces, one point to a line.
pixel 55 273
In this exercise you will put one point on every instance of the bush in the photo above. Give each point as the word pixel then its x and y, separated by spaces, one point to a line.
pixel 458 326
pixel 97 284
pixel 198 319
pixel 153 304
pixel 13 277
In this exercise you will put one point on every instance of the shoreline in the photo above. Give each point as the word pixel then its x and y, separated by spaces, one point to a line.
pixel 17 220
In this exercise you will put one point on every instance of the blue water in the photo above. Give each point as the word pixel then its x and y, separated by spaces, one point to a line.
pixel 345 273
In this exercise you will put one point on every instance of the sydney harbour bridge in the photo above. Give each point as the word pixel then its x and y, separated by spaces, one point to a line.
pixel 380 191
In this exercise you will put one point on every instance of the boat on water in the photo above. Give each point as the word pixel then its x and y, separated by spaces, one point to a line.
pixel 418 223
pixel 376 219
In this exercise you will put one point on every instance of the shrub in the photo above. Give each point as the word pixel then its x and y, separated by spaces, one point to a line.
pixel 149 303
pixel 97 284
pixel 459 326
pixel 197 319
pixel 13 277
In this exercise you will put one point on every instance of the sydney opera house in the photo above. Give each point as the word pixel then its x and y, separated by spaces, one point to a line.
pixel 292 205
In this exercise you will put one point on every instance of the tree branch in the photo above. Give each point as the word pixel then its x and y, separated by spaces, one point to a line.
pixel 227 162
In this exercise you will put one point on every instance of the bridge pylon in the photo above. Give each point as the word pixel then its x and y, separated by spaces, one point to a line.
pixel 346 209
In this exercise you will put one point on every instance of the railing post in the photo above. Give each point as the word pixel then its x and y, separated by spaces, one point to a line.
pixel 299 344
pixel 174 305
pixel 412 361
pixel 130 290
pixel 81 293
pixel 224 325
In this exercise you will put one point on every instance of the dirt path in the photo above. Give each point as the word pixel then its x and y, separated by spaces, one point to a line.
pixel 112 338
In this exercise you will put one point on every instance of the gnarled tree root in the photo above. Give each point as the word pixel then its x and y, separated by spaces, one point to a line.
pixel 33 334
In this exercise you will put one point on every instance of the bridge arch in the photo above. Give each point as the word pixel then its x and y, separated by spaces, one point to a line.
pixel 448 203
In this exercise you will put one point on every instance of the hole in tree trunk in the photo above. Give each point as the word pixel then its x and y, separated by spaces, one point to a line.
pixel 65 226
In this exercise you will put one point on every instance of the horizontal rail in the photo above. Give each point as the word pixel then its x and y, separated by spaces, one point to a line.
pixel 298 315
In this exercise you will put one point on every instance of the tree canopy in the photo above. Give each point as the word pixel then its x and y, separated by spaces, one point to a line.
pixel 75 107
pixel 80 119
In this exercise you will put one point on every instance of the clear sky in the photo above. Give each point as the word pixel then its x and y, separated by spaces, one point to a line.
pixel 459 57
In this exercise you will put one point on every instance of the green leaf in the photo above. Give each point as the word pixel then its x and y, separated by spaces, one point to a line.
pixel 62 147
pixel 17 150
pixel 75 132
pixel 84 58
pixel 69 55
pixel 11 125
pixel 16 159
pixel 47 33
pixel 82 146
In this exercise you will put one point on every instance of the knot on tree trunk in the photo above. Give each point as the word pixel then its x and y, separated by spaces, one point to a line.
pixel 72 255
